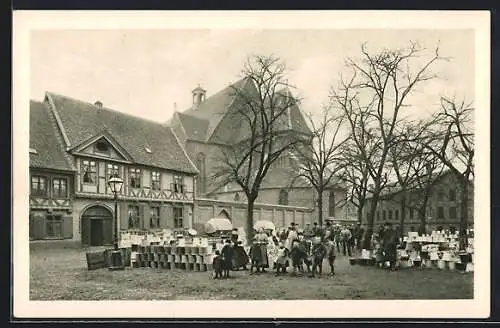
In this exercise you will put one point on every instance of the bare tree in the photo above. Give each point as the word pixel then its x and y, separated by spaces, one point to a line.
pixel 262 133
pixel 354 173
pixel 451 139
pixel 416 170
pixel 379 86
pixel 318 160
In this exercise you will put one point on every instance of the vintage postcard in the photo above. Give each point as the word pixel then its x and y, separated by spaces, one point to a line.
pixel 319 164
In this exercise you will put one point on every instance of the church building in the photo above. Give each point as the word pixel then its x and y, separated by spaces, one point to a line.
pixel 212 122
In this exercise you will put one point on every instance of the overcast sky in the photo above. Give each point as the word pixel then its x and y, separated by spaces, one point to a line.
pixel 144 72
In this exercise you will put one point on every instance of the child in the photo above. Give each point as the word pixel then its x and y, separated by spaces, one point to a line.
pixel 297 255
pixel 379 256
pixel 331 253
pixel 282 260
pixel 318 251
pixel 217 265
pixel 227 258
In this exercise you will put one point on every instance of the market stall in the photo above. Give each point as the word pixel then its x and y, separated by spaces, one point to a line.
pixel 439 249
pixel 267 225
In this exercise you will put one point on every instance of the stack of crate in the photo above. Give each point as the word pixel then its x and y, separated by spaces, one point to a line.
pixel 188 257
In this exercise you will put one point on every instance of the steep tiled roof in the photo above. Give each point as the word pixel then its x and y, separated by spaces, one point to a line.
pixel 82 120
pixel 212 111
pixel 217 118
pixel 43 139
pixel 196 128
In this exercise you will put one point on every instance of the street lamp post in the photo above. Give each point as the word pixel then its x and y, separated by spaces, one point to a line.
pixel 115 184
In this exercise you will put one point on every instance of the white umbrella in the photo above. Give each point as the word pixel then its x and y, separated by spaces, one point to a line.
pixel 264 224
pixel 218 224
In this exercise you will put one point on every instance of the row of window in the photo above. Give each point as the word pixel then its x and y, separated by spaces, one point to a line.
pixel 388 215
pixel 89 176
pixel 40 186
pixel 135 219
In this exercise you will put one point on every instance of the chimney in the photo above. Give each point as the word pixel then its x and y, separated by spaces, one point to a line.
pixel 98 104
pixel 198 96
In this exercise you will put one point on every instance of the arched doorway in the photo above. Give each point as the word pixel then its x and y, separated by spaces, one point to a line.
pixel 97 226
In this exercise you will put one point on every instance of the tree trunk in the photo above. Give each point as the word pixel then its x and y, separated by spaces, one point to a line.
pixel 250 232
pixel 320 208
pixel 360 213
pixel 371 217
pixel 403 214
pixel 422 211
pixel 464 212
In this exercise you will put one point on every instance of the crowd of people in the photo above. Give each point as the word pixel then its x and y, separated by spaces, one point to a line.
pixel 297 248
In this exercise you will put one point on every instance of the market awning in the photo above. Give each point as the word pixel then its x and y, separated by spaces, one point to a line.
pixel 218 224
pixel 264 224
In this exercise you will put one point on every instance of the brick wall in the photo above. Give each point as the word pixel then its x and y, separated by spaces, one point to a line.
pixel 281 216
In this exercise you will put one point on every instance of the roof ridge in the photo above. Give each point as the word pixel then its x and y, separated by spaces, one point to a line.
pixel 108 109
pixel 183 150
pixel 221 91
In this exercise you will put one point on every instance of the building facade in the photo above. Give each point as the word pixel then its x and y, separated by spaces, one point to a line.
pixel 442 211
pixel 98 143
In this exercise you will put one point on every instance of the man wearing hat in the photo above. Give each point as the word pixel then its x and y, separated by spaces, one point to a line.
pixel 308 231
pixel 389 244
pixel 317 229
pixel 234 236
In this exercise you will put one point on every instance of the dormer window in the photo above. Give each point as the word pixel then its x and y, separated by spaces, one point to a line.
pixel 101 146
pixel 33 151
pixel 148 150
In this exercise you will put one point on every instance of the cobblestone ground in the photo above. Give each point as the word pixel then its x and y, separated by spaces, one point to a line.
pixel 61 274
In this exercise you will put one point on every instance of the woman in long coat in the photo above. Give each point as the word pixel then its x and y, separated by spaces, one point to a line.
pixel 258 251
pixel 389 243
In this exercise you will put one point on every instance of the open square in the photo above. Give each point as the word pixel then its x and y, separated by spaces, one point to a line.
pixel 61 274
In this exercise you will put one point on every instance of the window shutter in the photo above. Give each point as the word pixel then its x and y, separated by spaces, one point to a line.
pixel 164 215
pixel 141 216
pixel 124 216
pixel 185 216
pixel 38 226
pixel 67 227
pixel 145 216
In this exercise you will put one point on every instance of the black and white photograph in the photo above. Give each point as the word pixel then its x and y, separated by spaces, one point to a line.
pixel 321 158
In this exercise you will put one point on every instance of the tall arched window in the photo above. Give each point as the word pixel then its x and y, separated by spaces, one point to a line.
pixel 202 179
pixel 283 198
pixel 225 214
pixel 331 204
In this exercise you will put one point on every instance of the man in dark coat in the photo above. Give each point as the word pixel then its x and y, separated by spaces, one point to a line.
pixel 317 229
pixel 389 244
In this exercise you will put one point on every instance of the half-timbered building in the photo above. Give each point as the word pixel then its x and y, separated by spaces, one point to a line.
pixel 99 142
pixel 51 179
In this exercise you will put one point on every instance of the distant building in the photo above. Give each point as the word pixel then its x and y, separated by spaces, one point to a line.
pixel 442 212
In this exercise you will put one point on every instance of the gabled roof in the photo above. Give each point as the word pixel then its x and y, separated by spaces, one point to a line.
pixel 211 111
pixel 196 127
pixel 217 118
pixel 81 120
pixel 44 140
